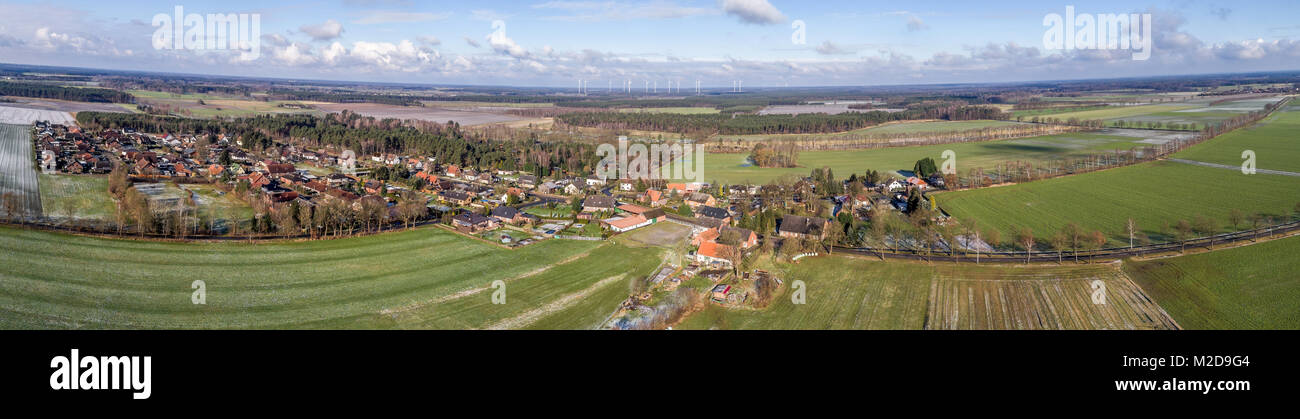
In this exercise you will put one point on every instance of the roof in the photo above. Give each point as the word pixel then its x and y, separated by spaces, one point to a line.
pixel 627 222
pixel 600 201
pixel 654 213
pixel 472 218
pixel 712 212
pixel 505 212
pixel 635 209
pixel 802 225
pixel 712 249
pixel 455 195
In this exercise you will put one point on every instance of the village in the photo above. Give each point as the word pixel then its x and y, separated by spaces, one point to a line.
pixel 296 192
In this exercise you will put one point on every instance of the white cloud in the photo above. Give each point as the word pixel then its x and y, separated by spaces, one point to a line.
pixel 916 24
pixel 829 48
pixel 758 12
pixel 595 11
pixel 504 45
pixel 325 31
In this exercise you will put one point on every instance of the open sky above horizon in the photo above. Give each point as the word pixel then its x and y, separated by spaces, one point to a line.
pixel 558 43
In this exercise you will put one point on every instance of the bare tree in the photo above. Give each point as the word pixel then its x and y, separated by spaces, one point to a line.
pixel 1132 230
pixel 1025 238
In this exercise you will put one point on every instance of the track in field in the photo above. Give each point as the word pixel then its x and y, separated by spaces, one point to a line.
pixel 17 168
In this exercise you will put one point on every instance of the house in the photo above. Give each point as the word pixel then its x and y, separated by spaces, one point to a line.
pixel 528 181
pixel 654 198
pixel 572 189
pixel 626 185
pixel 681 189
pixel 713 253
pixel 473 222
pixel 428 178
pixel 507 214
pixel 697 199
pixel 714 212
pixel 744 238
pixel 456 197
pixel 800 227
pixel 919 183
pixel 452 171
pixel 632 209
pixel 595 181
pixel 279 169
pixel 597 203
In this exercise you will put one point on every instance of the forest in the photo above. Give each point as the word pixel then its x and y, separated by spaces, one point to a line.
pixel 739 124
pixel 367 136
pixel 49 91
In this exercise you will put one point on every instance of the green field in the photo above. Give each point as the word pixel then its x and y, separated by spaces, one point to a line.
pixel 1249 287
pixel 82 196
pixel 865 293
pixel 424 278
pixel 1151 193
pixel 1275 141
pixel 842 293
pixel 1197 112
pixel 735 168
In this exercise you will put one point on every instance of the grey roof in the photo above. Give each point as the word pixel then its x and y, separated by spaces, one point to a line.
pixel 713 212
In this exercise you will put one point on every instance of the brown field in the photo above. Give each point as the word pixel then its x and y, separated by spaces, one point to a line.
pixel 439 115
pixel 966 298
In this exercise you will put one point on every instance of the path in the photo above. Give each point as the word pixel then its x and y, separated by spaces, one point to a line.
pixel 1231 167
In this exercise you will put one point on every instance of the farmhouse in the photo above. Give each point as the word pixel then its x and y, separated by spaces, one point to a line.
pixel 599 203
pixel 800 227
pixel 507 214
pixel 699 199
pixel 712 253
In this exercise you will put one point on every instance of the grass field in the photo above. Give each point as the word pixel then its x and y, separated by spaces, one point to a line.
pixel 1151 193
pixel 842 293
pixel 1197 112
pixel 424 278
pixel 735 168
pixel 85 195
pixel 1249 287
pixel 859 293
pixel 1275 141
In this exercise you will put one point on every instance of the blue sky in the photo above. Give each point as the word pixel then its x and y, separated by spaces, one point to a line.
pixel 556 43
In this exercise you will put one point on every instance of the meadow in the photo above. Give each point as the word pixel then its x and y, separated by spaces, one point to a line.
pixel 421 278
pixel 82 196
pixel 1153 194
pixel 1248 287
pixel 1197 113
pixel 847 292
pixel 735 167
pixel 1275 141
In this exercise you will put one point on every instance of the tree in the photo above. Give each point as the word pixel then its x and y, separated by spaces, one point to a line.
pixel 1025 238
pixel 685 210
pixel 925 167
pixel 1096 240
pixel 1075 235
pixel 993 237
pixel 1183 231
pixel 1059 241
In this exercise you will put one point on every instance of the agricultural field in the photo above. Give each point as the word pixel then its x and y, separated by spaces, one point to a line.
pixel 1039 297
pixel 18 168
pixel 214 106
pixel 736 168
pixel 682 110
pixel 421 278
pixel 841 293
pixel 76 196
pixel 1153 194
pixel 1247 287
pixel 846 292
pixel 439 115
pixel 1196 112
pixel 14 115
pixel 1275 141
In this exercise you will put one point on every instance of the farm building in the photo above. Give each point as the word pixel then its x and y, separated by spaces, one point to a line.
pixel 800 227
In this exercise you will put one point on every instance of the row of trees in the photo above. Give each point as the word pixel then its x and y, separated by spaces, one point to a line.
pixel 782 154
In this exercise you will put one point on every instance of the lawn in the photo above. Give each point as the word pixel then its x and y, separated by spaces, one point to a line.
pixel 423 278
pixel 735 168
pixel 1151 193
pixel 1275 141
pixel 82 196
pixel 1249 287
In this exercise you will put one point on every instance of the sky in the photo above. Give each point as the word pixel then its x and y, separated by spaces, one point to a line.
pixel 610 43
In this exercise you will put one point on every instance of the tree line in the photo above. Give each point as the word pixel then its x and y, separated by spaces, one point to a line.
pixel 49 91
